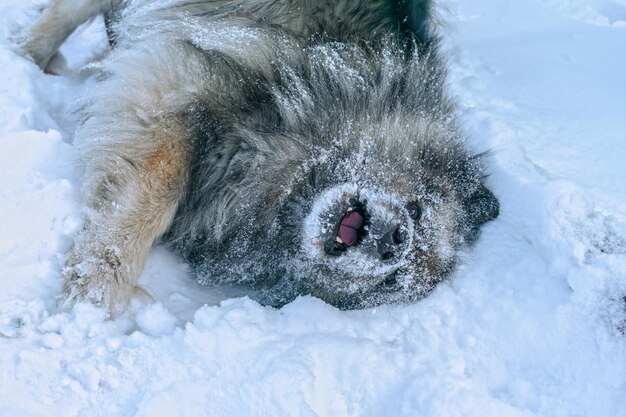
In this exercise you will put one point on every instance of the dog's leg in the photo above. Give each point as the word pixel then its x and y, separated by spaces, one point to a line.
pixel 132 206
pixel 137 149
pixel 57 22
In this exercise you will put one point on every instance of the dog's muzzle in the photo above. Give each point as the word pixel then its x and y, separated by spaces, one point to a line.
pixel 359 230
pixel 353 227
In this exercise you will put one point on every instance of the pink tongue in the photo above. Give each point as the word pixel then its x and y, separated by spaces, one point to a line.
pixel 349 226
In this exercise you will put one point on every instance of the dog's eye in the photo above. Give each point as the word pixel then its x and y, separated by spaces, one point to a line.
pixel 415 211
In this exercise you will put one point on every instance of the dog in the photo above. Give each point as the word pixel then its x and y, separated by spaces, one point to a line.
pixel 290 146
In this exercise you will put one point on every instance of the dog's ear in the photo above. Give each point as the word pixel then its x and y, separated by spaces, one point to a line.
pixel 482 206
pixel 413 18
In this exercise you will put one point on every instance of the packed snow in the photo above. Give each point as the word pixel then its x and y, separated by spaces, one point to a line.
pixel 533 323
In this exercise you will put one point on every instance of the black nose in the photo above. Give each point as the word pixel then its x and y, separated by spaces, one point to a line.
pixel 388 244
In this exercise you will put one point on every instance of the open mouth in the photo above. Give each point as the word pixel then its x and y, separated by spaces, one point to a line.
pixel 364 232
pixel 350 230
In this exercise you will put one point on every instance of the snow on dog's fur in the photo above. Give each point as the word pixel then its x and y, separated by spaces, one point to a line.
pixel 298 147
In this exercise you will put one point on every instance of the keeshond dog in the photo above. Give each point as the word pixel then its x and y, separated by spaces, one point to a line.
pixel 290 146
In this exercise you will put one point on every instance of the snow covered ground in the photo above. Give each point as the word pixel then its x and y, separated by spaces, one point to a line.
pixel 532 324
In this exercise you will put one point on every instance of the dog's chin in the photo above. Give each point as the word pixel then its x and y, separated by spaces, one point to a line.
pixel 361 232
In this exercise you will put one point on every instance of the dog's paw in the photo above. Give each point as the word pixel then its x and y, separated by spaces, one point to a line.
pixel 34 50
pixel 98 277
pixel 54 64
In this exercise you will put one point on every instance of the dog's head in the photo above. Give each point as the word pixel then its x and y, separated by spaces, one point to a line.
pixel 363 190
pixel 381 217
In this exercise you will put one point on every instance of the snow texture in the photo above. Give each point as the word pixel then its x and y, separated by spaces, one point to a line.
pixel 533 322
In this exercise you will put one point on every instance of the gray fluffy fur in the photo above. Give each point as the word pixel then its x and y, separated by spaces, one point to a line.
pixel 236 131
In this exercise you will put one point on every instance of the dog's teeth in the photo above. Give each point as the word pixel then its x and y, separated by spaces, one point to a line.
pixel 338 239
pixel 366 228
pixel 349 209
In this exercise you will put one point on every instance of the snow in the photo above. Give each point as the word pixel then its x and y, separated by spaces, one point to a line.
pixel 531 324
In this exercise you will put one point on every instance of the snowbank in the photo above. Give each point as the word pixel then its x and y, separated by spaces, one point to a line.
pixel 531 324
